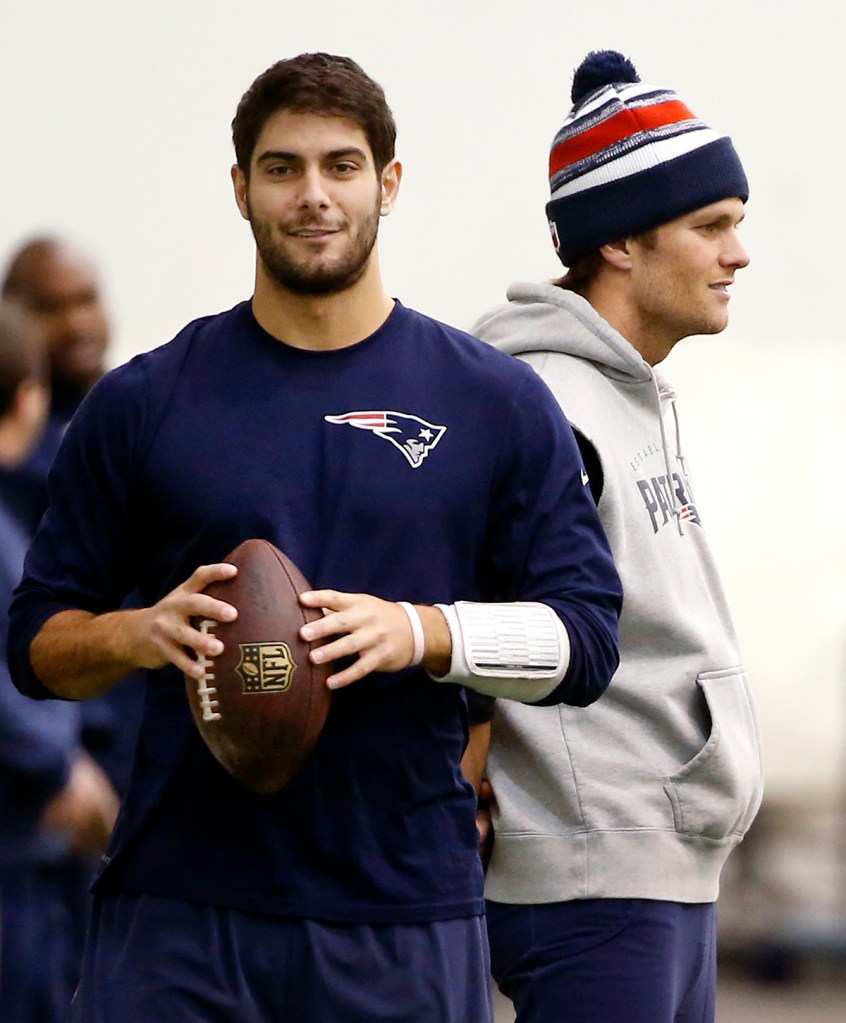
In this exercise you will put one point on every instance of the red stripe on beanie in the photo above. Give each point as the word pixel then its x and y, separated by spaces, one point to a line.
pixel 629 121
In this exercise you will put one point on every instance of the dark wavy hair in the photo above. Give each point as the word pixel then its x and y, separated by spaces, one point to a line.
pixel 315 83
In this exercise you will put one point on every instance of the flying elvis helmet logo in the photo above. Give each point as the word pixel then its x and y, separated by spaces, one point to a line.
pixel 411 435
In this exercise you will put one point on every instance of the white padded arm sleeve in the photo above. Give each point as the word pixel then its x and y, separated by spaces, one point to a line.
pixel 515 651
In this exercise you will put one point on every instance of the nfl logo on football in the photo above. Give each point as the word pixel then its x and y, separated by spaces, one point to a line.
pixel 265 667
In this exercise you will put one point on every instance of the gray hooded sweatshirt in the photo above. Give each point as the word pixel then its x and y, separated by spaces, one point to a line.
pixel 645 793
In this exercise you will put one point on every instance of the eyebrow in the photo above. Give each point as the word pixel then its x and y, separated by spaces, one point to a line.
pixel 723 218
pixel 333 154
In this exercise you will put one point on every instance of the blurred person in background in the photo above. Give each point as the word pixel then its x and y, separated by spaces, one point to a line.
pixel 57 806
pixel 59 285
pixel 612 823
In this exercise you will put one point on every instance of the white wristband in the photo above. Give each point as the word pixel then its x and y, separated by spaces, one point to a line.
pixel 416 631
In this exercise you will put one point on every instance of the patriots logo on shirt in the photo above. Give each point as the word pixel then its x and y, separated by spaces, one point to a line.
pixel 658 494
pixel 411 435
pixel 688 513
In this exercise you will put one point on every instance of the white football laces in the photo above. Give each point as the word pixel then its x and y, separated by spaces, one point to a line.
pixel 207 693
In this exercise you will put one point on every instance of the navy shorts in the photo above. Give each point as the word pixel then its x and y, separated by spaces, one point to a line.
pixel 156 960
pixel 606 960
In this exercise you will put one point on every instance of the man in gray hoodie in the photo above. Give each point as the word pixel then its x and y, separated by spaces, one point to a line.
pixel 612 824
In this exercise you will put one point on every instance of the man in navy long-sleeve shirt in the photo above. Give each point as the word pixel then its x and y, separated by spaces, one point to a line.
pixel 430 489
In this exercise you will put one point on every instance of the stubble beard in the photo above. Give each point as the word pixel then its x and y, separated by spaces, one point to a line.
pixel 671 311
pixel 310 277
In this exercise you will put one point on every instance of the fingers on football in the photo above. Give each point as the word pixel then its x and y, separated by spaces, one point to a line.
pixel 190 649
pixel 364 665
pixel 344 646
pixel 206 574
pixel 329 600
pixel 181 641
pixel 344 678
pixel 359 624
pixel 200 605
pixel 345 613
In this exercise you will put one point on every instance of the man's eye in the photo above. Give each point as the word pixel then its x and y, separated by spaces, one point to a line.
pixel 45 307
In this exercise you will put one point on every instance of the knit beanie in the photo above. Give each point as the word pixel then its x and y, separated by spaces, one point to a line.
pixel 630 157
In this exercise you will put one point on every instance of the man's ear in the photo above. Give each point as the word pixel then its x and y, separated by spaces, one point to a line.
pixel 391 177
pixel 239 183
pixel 618 254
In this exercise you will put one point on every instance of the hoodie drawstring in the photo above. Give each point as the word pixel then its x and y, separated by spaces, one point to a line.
pixel 679 453
pixel 675 507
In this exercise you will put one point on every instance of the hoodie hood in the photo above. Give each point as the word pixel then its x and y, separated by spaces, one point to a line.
pixel 546 318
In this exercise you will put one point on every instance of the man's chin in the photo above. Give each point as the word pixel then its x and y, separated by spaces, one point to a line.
pixel 323 285
pixel 316 281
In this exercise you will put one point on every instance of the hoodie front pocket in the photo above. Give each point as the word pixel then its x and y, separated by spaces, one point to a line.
pixel 718 792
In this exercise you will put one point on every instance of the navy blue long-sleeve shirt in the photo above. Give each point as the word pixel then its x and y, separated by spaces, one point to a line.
pixel 418 464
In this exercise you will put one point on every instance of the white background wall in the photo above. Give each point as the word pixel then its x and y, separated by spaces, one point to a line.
pixel 114 127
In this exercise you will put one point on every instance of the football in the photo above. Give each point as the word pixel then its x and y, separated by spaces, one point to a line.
pixel 262 703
